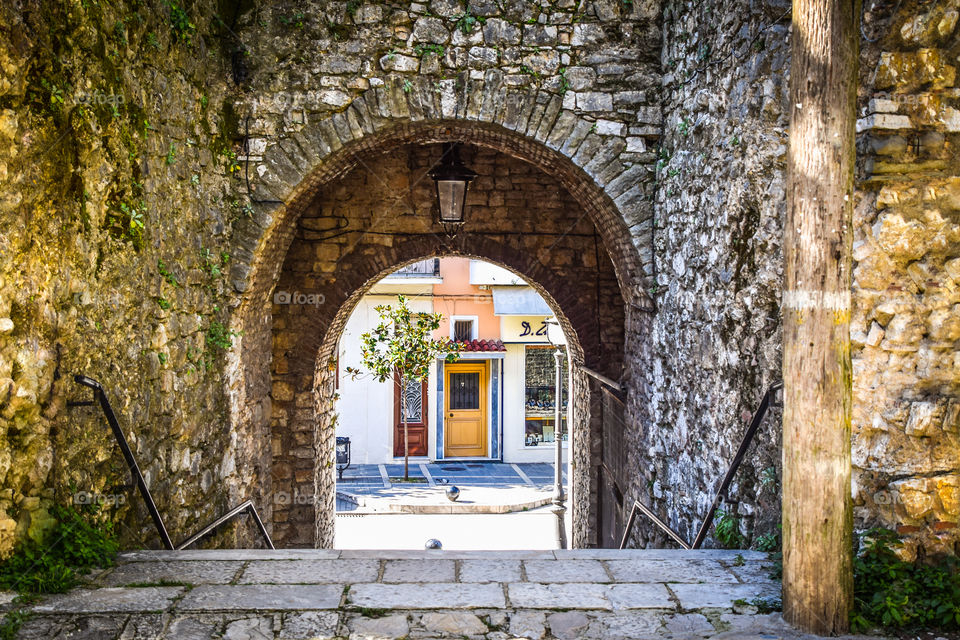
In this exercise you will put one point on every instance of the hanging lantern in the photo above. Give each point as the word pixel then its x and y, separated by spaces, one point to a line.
pixel 452 179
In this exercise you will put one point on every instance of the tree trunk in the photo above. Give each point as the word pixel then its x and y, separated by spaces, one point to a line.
pixel 403 421
pixel 817 506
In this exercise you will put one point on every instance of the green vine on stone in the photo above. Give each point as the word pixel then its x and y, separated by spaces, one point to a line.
pixel 891 592
pixel 768 542
pixel 466 22
pixel 564 82
pixel 183 29
pixel 768 477
pixel 219 337
pixel 530 72
pixel 126 220
pixel 213 264
pixel 233 165
pixel 12 622
pixel 77 543
pixel 422 49
pixel 167 275
pixel 726 530
pixel 294 20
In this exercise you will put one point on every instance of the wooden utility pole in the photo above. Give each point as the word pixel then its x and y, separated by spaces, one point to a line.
pixel 817 506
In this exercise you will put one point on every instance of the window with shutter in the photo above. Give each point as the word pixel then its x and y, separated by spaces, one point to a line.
pixel 463 330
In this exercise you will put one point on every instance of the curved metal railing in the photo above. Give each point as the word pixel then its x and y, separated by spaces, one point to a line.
pixel 769 399
pixel 99 396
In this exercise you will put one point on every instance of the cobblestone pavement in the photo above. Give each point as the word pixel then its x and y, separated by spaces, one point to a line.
pixel 366 595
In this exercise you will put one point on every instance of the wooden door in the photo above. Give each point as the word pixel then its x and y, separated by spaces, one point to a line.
pixel 465 394
pixel 416 418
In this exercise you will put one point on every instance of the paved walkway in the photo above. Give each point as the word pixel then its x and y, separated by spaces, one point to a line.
pixel 486 487
pixel 524 530
pixel 300 594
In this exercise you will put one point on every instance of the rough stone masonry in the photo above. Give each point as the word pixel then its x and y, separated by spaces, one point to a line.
pixel 162 169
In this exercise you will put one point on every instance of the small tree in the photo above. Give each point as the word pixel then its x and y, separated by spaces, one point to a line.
pixel 401 347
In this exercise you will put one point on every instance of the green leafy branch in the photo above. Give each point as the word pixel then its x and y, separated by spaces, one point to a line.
pixel 401 347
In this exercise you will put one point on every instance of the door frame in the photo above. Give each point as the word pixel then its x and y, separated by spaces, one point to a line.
pixel 423 424
pixel 459 367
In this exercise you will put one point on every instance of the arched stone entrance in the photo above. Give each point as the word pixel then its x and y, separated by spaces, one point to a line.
pixel 367 208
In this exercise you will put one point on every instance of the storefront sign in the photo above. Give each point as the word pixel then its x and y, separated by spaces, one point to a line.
pixel 526 329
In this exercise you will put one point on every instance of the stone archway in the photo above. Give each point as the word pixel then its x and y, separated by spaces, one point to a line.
pixel 528 124
pixel 289 397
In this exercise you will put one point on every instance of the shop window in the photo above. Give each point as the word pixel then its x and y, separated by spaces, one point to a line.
pixel 540 396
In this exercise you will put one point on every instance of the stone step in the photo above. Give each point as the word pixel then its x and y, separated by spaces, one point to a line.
pixel 495 595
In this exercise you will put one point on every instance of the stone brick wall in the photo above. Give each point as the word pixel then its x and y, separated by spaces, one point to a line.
pixel 112 140
pixel 713 346
pixel 198 121
pixel 906 321
pixel 715 340
pixel 546 84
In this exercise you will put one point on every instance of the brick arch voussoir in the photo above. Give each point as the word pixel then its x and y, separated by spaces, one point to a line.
pixel 293 169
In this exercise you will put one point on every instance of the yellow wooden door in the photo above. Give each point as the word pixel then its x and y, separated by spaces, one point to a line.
pixel 465 395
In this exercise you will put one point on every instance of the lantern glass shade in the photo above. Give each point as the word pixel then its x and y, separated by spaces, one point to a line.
pixel 452 179
pixel 452 196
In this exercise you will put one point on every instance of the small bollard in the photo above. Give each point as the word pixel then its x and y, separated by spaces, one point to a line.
pixel 452 493
pixel 433 543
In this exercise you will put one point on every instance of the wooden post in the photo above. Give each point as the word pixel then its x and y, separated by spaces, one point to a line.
pixel 817 506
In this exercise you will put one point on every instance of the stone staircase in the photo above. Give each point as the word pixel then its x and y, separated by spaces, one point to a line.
pixel 494 595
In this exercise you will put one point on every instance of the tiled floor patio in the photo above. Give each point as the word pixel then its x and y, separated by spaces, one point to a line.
pixel 486 487
pixel 363 478
pixel 304 594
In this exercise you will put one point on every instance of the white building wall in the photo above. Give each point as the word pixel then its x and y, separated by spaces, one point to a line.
pixel 365 406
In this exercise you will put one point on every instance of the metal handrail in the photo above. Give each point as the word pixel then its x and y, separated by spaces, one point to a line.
pixel 769 399
pixel 247 507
